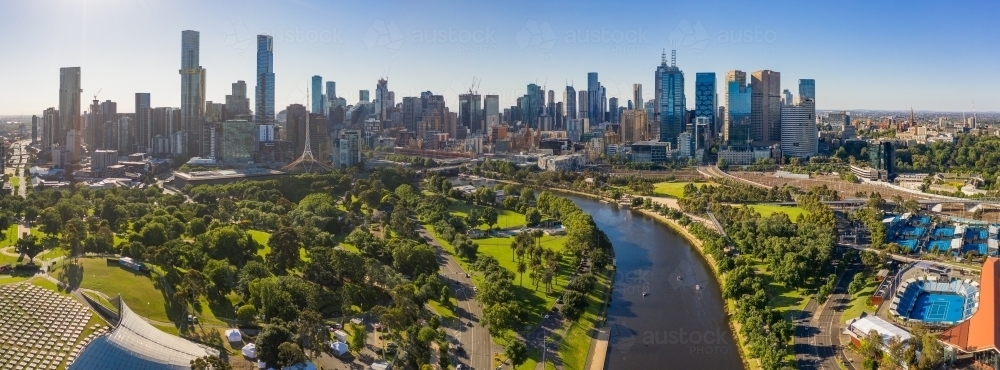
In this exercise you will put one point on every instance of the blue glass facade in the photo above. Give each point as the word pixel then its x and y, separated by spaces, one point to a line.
pixel 807 89
pixel 737 132
pixel 704 98
pixel 264 96
pixel 673 106
pixel 317 94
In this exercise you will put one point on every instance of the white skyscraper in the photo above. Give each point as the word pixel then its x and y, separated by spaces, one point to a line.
pixel 799 136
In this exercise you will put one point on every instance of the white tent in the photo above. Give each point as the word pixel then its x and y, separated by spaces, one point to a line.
pixel 261 364
pixel 339 348
pixel 233 335
pixel 250 350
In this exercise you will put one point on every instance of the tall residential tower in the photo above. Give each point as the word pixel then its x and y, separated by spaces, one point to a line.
pixel 264 93
pixel 192 91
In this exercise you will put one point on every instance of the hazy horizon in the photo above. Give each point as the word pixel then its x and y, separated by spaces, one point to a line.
pixel 857 55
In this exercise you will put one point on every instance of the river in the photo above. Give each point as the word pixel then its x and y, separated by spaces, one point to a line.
pixel 680 323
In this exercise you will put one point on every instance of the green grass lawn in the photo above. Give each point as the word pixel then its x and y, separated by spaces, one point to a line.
pixel 505 218
pixel 12 279
pixel 675 189
pixel 575 346
pixel 769 209
pixel 10 237
pixel 141 292
pixel 446 313
pixel 261 238
pixel 859 303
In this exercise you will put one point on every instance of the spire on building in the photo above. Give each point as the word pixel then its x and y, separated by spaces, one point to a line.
pixel 673 57
pixel 663 57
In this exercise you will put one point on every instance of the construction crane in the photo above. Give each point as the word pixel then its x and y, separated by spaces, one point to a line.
pixel 98 93
pixel 474 87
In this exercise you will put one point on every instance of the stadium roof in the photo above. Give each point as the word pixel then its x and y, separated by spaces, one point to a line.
pixel 980 331
pixel 135 344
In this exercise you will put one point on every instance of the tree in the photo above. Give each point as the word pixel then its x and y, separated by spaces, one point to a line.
pixel 51 221
pixel 29 247
pixel 358 338
pixel 268 341
pixel 154 234
pixel 503 316
pixel 517 352
pixel 533 217
pixel 284 250
pixel 474 218
pixel 857 283
pixel 490 216
pixel 871 346
pixel 247 313
pixel 290 354
pixel 312 334
pixel 221 274
pixel 415 259
pixel 401 224
pixel 209 363
pixel 194 283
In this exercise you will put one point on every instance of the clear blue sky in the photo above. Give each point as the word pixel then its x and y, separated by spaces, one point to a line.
pixel 933 55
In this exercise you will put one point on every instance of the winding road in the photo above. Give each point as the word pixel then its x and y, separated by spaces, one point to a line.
pixel 473 338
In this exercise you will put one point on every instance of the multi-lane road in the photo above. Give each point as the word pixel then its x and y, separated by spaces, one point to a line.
pixel 817 334
pixel 468 331
pixel 21 154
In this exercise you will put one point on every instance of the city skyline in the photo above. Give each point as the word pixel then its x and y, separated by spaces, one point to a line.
pixel 545 47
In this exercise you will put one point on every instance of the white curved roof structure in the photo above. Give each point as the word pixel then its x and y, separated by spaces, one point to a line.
pixel 135 344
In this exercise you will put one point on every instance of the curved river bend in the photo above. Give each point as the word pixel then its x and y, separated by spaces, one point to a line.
pixel 680 323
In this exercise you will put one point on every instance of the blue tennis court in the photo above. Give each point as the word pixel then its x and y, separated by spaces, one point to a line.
pixel 975 247
pixel 977 234
pixel 938 245
pixel 907 244
pixel 944 232
pixel 922 220
pixel 938 307
pixel 911 231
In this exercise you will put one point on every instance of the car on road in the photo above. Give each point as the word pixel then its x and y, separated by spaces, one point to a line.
pixel 546 316
pixel 559 300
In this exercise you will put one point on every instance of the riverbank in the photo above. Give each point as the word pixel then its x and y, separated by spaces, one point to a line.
pixel 601 345
pixel 733 325
pixel 601 354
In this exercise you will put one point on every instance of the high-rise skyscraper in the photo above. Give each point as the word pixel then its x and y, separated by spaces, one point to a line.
pixel 673 106
pixel 470 112
pixel 733 75
pixel 192 91
pixel 69 111
pixel 799 136
pixel 582 104
pixel 317 95
pixel 139 142
pixel 637 96
pixel 595 99
pixel 569 103
pixel 264 93
pixel 704 99
pixel 766 106
pixel 363 97
pixel 736 132
pixel 807 89
pixel 613 110
pixel 382 100
pixel 532 106
pixel 634 126
pixel 491 110
pixel 34 129
pixel 331 90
